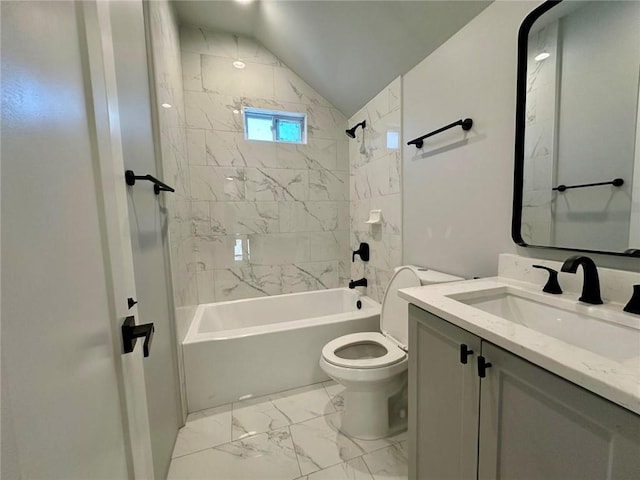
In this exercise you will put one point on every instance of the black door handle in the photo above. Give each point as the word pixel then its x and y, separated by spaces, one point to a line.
pixel 131 332
pixel 464 353
pixel 482 366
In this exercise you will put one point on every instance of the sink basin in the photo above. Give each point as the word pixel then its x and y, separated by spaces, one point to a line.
pixel 563 322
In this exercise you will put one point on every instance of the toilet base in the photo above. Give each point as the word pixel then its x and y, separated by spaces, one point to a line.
pixel 376 411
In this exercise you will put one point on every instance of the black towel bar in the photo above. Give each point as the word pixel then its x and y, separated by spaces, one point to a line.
pixel 616 182
pixel 466 124
pixel 158 186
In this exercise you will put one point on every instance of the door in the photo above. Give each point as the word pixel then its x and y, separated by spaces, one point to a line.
pixel 148 225
pixel 536 425
pixel 76 404
pixel 444 394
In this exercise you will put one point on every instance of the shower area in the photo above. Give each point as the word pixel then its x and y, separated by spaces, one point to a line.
pixel 253 219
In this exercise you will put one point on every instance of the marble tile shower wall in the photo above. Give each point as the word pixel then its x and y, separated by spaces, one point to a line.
pixel 268 218
pixel 173 142
pixel 539 150
pixel 375 175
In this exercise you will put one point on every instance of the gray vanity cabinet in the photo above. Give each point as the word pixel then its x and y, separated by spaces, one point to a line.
pixel 519 422
pixel 444 394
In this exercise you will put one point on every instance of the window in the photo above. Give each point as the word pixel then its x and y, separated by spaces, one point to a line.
pixel 270 126
pixel 393 140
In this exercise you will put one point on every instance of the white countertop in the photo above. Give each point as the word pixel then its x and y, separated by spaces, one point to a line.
pixel 618 382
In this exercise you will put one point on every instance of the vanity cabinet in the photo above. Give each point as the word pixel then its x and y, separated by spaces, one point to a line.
pixel 518 422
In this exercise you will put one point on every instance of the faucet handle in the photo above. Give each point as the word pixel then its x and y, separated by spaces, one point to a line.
pixel 363 251
pixel 552 285
pixel 634 303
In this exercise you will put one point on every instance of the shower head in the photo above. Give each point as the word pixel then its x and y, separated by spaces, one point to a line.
pixel 351 133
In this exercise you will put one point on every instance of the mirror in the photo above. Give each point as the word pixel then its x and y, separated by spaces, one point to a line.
pixel 577 159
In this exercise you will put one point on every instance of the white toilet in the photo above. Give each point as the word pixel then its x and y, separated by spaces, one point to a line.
pixel 372 366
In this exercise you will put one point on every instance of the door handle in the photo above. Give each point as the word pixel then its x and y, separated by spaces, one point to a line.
pixel 464 353
pixel 482 366
pixel 131 332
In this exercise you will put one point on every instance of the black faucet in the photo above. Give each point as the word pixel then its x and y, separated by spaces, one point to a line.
pixel 591 283
pixel 358 283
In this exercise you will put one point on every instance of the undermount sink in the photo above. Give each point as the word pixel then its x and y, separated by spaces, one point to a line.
pixel 563 321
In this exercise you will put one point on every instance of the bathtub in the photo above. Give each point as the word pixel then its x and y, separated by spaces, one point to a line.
pixel 247 348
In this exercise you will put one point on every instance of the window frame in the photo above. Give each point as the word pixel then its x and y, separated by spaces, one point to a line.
pixel 275 117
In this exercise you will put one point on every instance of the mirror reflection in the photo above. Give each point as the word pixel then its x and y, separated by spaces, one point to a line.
pixel 581 159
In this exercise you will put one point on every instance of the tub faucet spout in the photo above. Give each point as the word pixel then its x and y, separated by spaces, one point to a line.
pixel 358 283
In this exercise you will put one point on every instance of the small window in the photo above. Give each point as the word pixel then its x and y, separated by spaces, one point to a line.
pixel 270 126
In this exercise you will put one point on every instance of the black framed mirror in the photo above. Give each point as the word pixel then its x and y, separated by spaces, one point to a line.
pixel 577 145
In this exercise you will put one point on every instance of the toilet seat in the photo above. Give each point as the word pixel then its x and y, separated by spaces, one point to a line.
pixel 394 353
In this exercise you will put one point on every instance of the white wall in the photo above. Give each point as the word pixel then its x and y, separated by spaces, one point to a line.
pixel 457 204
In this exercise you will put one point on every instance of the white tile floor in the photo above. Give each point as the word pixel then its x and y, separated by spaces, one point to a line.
pixel 284 436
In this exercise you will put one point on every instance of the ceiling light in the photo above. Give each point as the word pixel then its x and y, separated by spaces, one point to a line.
pixel 166 105
pixel 239 64
pixel 542 56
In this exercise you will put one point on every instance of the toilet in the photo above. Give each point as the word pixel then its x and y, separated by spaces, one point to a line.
pixel 372 366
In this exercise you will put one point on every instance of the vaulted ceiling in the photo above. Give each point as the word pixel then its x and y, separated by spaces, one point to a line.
pixel 346 50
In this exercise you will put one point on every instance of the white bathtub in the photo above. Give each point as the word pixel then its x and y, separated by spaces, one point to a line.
pixel 248 348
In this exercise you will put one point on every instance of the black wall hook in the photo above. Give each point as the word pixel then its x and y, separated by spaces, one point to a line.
pixel 158 186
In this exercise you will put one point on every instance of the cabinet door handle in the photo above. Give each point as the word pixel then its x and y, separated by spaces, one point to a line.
pixel 464 353
pixel 482 366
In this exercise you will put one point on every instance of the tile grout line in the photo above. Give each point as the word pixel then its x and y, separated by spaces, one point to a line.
pixel 295 452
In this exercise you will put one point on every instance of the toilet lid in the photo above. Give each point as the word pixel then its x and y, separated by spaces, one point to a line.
pixel 394 316
pixel 339 350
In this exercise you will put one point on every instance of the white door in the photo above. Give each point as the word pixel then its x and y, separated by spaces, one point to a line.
pixel 74 406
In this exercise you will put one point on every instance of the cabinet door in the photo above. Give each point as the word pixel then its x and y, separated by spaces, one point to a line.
pixel 535 425
pixel 443 399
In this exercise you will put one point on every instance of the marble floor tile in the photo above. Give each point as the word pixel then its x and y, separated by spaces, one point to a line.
pixel 266 456
pixel 366 445
pixel 334 389
pixel 354 469
pixel 389 463
pixel 256 416
pixel 204 429
pixel 303 403
pixel 319 445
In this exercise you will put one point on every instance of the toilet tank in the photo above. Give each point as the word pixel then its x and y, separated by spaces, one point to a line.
pixel 394 315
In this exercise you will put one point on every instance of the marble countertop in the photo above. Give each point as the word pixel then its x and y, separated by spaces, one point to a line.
pixel 616 381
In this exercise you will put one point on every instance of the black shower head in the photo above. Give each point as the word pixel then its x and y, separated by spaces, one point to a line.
pixel 352 131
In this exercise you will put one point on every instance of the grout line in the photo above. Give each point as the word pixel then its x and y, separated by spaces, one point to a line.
pixel 295 452
pixel 367 467
pixel 197 451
